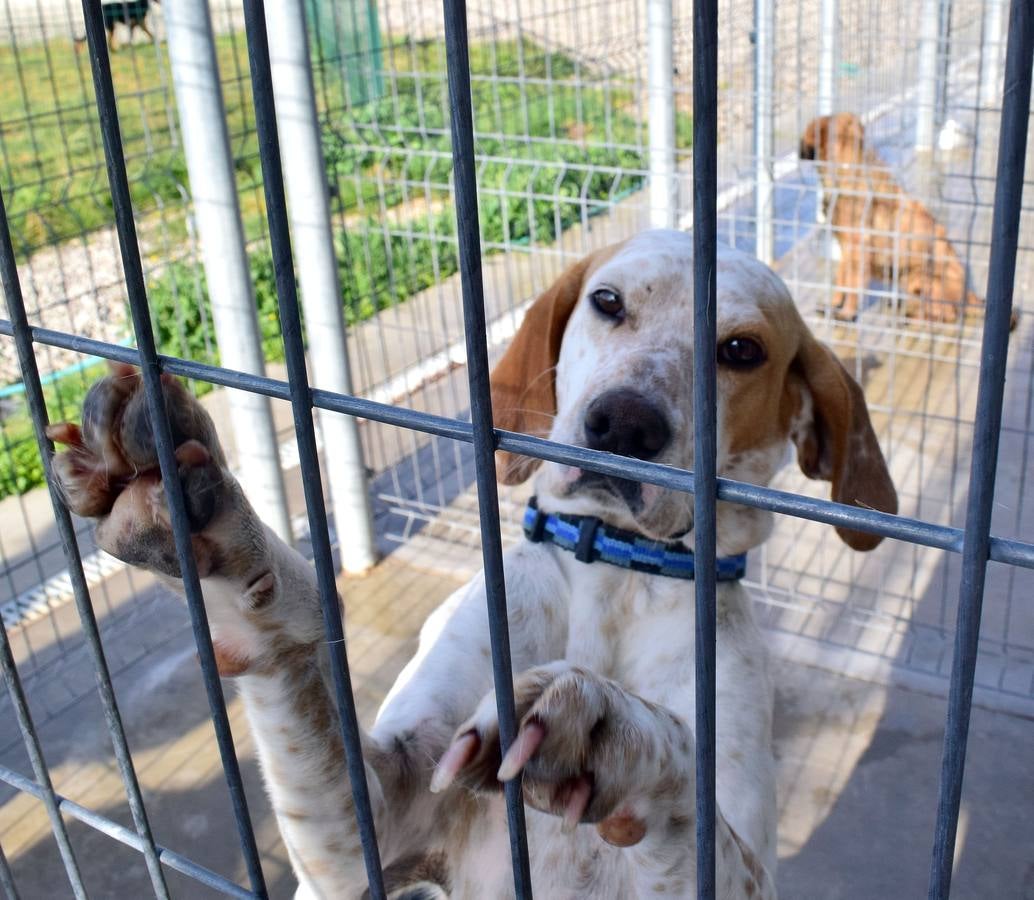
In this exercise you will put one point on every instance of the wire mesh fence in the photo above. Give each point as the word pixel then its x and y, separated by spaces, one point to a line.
pixel 561 146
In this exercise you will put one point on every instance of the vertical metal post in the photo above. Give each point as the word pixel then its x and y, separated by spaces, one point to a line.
pixel 829 54
pixel 66 532
pixel 7 878
pixel 991 53
pixel 468 231
pixel 39 765
pixel 304 430
pixel 150 367
pixel 206 144
pixel 943 61
pixel 927 89
pixel 705 251
pixel 829 58
pixel 309 212
pixel 764 129
pixel 1012 151
pixel 660 88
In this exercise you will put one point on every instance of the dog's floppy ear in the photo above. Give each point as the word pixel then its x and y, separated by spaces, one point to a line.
pixel 835 440
pixel 524 380
pixel 813 141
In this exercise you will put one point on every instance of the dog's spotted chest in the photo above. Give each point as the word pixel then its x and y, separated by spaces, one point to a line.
pixel 607 606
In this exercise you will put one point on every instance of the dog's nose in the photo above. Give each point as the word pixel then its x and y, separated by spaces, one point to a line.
pixel 625 422
pixel 807 150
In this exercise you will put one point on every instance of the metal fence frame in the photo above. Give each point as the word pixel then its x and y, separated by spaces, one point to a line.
pixel 975 543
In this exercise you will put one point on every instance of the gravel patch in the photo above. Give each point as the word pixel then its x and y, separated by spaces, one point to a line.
pixel 75 287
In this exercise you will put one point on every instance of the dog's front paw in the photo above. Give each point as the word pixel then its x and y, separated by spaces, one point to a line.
pixel 108 470
pixel 581 747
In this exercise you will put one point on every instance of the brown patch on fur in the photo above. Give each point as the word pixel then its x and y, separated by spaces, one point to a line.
pixel 754 867
pixel 622 829
pixel 320 867
pixel 229 661
pixel 610 628
pixel 523 381
pixel 430 868
pixel 838 444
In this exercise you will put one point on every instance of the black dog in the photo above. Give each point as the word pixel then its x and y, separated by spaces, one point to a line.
pixel 131 13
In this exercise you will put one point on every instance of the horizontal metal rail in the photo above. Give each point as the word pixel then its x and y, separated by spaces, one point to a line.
pixel 123 835
pixel 901 528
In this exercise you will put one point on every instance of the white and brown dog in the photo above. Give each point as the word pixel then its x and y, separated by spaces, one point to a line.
pixel 601 638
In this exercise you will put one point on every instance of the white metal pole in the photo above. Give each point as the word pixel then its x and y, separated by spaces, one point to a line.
pixel 926 94
pixel 991 53
pixel 305 175
pixel 764 129
pixel 829 57
pixel 660 88
pixel 828 54
pixel 195 76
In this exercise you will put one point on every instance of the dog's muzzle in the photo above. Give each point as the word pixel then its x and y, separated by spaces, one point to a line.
pixel 630 492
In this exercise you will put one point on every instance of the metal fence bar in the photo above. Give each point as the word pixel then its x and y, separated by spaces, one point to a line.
pixel 309 214
pixel 213 188
pixel 660 76
pixel 705 251
pixel 901 528
pixel 1012 151
pixel 66 533
pixel 44 786
pixel 829 51
pixel 305 434
pixel 927 93
pixel 7 878
pixel 151 371
pixel 764 129
pixel 991 52
pixel 123 835
pixel 468 232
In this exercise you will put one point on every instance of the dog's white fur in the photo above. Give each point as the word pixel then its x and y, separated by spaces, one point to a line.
pixel 603 657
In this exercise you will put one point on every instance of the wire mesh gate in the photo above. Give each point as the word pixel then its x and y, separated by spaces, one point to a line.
pixel 975 543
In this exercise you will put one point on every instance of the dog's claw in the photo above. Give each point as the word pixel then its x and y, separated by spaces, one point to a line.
pixel 523 748
pixel 65 433
pixel 460 752
pixel 577 802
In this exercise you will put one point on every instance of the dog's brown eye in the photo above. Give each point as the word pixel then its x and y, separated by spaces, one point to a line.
pixel 741 353
pixel 608 302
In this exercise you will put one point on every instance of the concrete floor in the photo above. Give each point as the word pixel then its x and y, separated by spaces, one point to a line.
pixel 858 764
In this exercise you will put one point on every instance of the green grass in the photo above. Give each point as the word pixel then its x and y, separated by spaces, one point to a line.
pixel 51 157
pixel 21 469
pixel 554 144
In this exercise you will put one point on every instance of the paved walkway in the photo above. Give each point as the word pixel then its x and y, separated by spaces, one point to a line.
pixel 858 764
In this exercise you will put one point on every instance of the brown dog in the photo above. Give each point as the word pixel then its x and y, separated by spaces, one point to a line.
pixel 880 229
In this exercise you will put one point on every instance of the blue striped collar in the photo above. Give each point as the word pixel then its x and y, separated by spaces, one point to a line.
pixel 591 540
